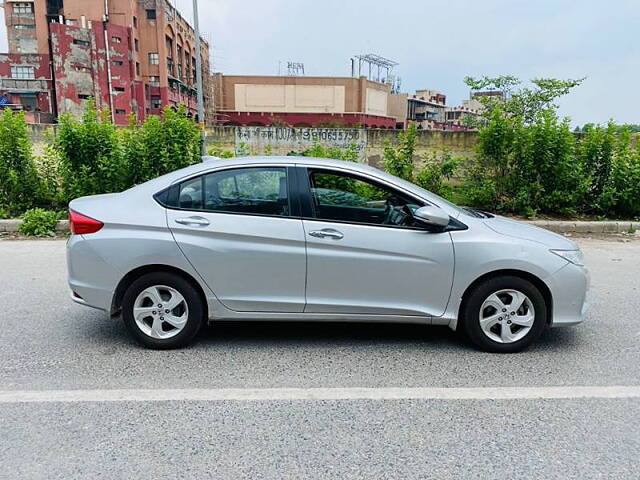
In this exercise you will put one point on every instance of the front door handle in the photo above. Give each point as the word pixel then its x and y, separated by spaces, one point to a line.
pixel 327 233
pixel 198 221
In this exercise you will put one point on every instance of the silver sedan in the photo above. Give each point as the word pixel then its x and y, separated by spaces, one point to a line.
pixel 293 238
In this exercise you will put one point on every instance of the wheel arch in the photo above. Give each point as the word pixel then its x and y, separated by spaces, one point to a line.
pixel 133 275
pixel 536 281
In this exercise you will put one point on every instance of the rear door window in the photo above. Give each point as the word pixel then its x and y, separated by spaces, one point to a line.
pixel 252 191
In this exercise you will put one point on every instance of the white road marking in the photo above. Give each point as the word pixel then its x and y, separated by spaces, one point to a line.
pixel 318 394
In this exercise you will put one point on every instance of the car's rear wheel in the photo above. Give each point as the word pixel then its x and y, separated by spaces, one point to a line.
pixel 162 310
pixel 504 314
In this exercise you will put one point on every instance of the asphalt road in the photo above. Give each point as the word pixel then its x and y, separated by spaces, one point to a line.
pixel 49 344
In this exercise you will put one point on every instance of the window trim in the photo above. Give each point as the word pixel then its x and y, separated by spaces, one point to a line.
pixel 174 190
pixel 309 209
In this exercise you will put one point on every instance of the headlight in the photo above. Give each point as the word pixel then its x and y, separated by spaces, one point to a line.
pixel 574 256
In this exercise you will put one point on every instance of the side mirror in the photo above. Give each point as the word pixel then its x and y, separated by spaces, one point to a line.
pixel 432 216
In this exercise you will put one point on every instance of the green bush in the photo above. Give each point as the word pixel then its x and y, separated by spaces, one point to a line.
pixel 398 160
pixel 437 172
pixel 39 222
pixel 349 154
pixel 526 168
pixel 19 185
pixel 161 145
pixel 90 154
pixel 216 150
pixel 96 157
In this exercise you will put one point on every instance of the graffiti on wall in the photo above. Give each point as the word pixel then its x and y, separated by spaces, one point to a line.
pixel 258 140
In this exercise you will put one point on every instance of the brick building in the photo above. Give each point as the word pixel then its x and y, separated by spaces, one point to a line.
pixel 131 56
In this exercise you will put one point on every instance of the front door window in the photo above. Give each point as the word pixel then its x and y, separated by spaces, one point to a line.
pixel 341 197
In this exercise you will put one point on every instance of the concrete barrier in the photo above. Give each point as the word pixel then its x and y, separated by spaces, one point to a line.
pixel 12 225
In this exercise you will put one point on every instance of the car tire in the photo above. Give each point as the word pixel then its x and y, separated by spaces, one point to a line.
pixel 491 322
pixel 152 323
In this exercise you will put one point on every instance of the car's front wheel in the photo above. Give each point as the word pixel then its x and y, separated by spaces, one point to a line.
pixel 504 314
pixel 162 310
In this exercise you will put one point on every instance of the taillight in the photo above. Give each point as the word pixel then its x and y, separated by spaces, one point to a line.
pixel 82 225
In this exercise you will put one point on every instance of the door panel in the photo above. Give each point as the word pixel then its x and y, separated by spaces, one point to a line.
pixel 364 254
pixel 379 270
pixel 251 263
pixel 238 229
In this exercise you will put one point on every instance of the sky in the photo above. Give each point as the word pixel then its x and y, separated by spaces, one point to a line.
pixel 438 43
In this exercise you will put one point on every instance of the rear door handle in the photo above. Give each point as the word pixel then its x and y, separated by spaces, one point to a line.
pixel 327 233
pixel 199 221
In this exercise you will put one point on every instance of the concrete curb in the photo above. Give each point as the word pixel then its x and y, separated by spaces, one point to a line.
pixel 585 227
pixel 11 226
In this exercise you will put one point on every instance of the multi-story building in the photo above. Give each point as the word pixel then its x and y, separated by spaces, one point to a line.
pixel 464 116
pixel 303 101
pixel 429 110
pixel 426 108
pixel 131 56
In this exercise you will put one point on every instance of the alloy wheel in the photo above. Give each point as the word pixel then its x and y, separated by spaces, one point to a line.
pixel 507 316
pixel 160 312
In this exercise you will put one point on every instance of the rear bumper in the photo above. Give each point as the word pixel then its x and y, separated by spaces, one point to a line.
pixel 569 287
pixel 89 276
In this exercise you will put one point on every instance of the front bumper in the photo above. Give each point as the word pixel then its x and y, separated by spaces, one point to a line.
pixel 569 287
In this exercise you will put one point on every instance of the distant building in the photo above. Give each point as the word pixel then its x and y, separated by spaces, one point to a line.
pixel 131 56
pixel 305 101
pixel 465 115
pixel 426 108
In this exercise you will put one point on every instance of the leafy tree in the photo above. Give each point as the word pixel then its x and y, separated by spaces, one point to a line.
pixel 523 102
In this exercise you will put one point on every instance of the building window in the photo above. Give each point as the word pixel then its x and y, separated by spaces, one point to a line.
pixel 151 14
pixel 82 43
pixel 118 63
pixel 154 58
pixel 136 42
pixel 23 73
pixel 22 7
pixel 154 81
pixel 118 89
pixel 24 27
pixel 138 68
pixel 116 39
pixel 135 22
pixel 121 112
pixel 83 96
pixel 156 102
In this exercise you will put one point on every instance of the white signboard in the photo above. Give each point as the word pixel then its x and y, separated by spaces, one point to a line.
pixel 258 140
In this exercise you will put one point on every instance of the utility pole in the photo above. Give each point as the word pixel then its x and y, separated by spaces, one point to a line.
pixel 200 92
